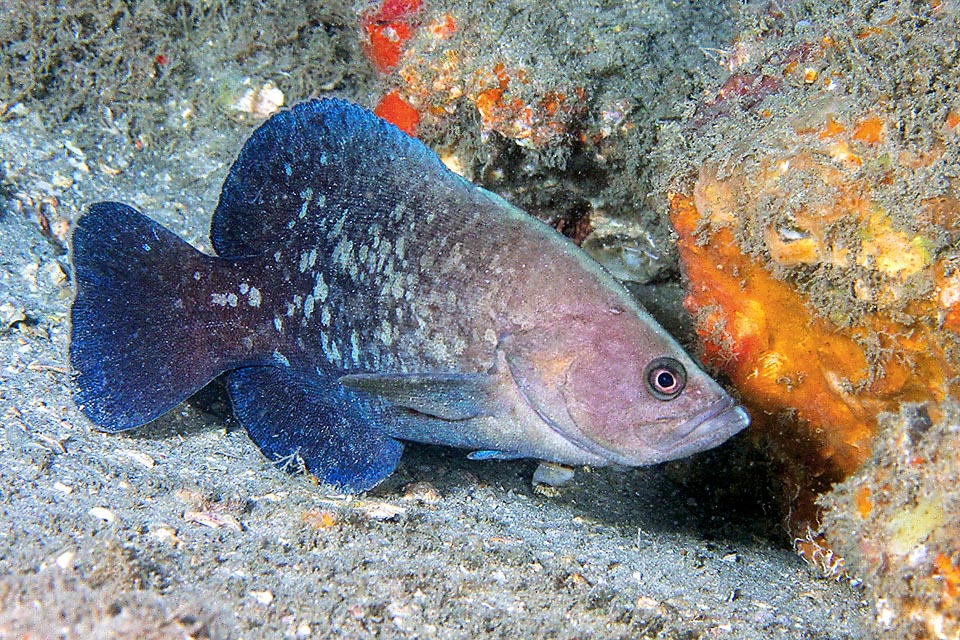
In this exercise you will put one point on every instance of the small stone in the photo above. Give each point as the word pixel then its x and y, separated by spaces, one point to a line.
pixel 320 519
pixel 553 474
pixel 55 274
pixel 422 492
pixel 140 458
pixel 546 491
pixel 65 560
pixel 213 520
pixel 380 511
pixel 61 181
pixel 62 488
pixel 263 597
pixel 259 102
pixel 11 315
pixel 102 513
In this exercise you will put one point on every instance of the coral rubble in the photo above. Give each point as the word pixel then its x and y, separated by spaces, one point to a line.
pixel 895 523
pixel 815 196
pixel 554 106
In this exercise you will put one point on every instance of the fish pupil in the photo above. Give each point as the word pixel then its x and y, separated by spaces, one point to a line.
pixel 665 380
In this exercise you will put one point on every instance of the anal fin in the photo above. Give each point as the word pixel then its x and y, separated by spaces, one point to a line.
pixel 305 418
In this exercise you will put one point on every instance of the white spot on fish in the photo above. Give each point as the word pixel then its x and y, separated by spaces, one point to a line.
pixel 320 288
pixel 287 169
pixel 146 247
pixel 306 195
pixel 196 276
pixel 321 200
pixel 280 358
pixel 244 287
pixel 330 349
pixel 276 256
pixel 386 333
pixel 325 316
pixel 308 306
pixel 278 324
pixel 304 261
pixel 313 257
pixel 354 346
pixel 338 228
pixel 219 299
pixel 253 297
pixel 232 299
pixel 343 253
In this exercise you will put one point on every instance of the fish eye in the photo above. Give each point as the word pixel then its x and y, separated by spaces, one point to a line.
pixel 666 378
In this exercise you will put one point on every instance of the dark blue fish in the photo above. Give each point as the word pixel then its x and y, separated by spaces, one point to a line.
pixel 364 295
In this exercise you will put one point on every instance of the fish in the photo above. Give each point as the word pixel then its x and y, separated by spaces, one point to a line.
pixel 362 296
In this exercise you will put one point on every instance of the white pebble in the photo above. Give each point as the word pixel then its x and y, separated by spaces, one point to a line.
pixel 65 560
pixel 102 513
pixel 62 488
pixel 140 457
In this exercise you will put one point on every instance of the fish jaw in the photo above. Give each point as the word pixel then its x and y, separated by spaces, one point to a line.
pixel 720 422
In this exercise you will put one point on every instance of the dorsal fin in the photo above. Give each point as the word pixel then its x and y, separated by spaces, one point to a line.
pixel 320 158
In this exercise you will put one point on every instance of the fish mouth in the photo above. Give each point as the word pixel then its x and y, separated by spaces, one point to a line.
pixel 709 428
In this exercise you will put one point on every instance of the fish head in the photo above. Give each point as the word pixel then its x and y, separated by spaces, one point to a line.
pixel 621 388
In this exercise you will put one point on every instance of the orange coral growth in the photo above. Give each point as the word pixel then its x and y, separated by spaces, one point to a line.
pixel 864 502
pixel 813 389
pixel 388 28
pixel 832 128
pixel 869 131
pixel 531 123
pixel 319 519
pixel 443 27
pixel 950 574
pixel 433 70
pixel 398 111
pixel 948 294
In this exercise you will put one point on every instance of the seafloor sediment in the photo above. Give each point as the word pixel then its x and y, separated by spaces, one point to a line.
pixel 586 115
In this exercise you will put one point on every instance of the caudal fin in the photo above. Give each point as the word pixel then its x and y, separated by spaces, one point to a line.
pixel 135 350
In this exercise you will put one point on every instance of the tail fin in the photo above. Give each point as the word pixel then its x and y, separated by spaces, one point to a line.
pixel 135 351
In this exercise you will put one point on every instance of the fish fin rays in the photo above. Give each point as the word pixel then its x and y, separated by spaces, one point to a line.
pixel 134 353
pixel 447 396
pixel 320 159
pixel 314 423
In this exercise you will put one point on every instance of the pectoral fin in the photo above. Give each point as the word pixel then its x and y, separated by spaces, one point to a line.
pixel 448 396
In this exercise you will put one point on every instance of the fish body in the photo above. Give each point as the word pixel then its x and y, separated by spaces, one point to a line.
pixel 363 295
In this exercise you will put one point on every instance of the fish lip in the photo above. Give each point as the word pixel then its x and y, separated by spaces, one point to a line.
pixel 718 422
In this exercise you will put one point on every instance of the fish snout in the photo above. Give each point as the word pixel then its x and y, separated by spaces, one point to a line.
pixel 720 421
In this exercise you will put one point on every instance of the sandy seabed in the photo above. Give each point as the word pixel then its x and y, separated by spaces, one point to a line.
pixel 183 529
